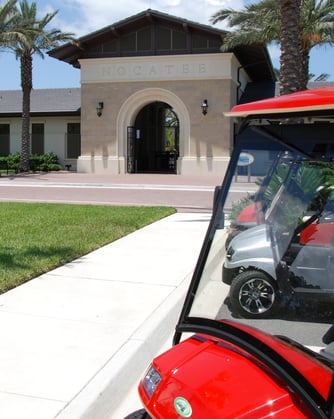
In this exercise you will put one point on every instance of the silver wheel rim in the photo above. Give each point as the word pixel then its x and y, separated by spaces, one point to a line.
pixel 256 296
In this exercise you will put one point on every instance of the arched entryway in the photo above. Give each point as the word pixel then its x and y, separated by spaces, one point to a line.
pixel 126 122
pixel 153 141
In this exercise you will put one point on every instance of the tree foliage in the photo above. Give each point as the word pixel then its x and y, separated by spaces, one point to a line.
pixel 262 23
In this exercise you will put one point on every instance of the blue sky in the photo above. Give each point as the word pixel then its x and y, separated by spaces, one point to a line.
pixel 85 16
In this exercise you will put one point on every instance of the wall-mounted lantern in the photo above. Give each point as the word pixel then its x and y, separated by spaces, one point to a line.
pixel 204 107
pixel 99 108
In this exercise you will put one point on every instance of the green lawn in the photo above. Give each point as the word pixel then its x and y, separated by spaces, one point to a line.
pixel 36 238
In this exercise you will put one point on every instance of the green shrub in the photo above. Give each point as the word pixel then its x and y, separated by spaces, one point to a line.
pixel 54 167
pixel 35 162
pixel 49 161
pixel 45 162
pixel 12 161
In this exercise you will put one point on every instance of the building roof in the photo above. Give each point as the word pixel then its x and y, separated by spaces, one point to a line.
pixel 149 30
pixel 66 101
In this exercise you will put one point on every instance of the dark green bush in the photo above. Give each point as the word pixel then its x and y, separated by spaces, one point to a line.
pixel 45 162
pixel 53 167
pixel 50 162
pixel 10 162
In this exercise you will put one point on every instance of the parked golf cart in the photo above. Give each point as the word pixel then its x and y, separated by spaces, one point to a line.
pixel 301 223
pixel 260 365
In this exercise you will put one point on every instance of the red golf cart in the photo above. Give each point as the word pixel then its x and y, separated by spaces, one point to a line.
pixel 259 344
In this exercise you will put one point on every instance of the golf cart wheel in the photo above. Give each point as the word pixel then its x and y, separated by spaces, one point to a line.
pixel 138 414
pixel 253 294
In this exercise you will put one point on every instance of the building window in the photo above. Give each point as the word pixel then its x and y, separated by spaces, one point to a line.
pixel 164 39
pixel 144 39
pixel 179 40
pixel 128 42
pixel 170 40
pixel 4 139
pixel 37 139
pixel 109 47
pixel 73 146
pixel 204 43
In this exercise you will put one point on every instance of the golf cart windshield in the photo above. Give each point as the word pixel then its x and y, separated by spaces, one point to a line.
pixel 267 259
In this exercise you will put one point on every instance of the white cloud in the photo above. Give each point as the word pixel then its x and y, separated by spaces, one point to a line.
pixel 85 16
pixel 91 15
pixel 232 4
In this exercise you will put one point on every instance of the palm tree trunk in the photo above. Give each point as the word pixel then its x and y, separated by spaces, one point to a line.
pixel 26 82
pixel 290 71
pixel 304 77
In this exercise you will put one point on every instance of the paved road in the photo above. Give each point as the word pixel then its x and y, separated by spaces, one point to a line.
pixel 186 193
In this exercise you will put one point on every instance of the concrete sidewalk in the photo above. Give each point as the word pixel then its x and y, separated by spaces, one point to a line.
pixel 75 340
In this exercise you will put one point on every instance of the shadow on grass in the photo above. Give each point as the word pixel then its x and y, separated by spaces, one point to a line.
pixel 18 268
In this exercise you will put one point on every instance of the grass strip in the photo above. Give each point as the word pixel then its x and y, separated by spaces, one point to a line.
pixel 36 238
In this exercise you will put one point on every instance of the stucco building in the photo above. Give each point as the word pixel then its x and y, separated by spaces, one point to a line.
pixel 54 123
pixel 144 81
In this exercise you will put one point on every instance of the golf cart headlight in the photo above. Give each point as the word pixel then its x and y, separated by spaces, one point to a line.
pixel 230 252
pixel 150 381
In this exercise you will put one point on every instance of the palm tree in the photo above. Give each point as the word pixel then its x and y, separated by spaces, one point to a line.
pixel 317 24
pixel 36 39
pixel 9 33
pixel 261 23
pixel 7 12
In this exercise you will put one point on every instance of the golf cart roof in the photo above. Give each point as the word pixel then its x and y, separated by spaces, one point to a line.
pixel 320 99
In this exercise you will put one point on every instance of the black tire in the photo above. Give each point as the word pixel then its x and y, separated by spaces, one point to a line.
pixel 138 414
pixel 253 295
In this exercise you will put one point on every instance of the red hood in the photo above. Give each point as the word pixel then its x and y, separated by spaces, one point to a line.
pixel 218 378
pixel 307 100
